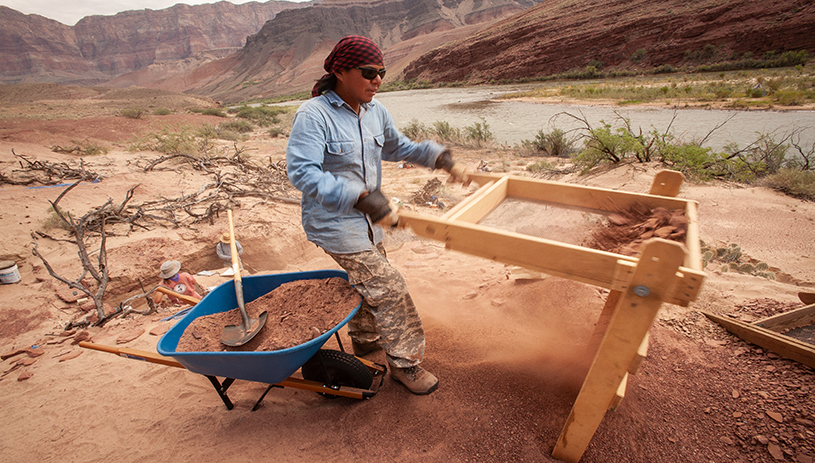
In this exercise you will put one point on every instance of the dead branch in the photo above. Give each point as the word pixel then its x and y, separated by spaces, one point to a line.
pixel 45 172
pixel 92 222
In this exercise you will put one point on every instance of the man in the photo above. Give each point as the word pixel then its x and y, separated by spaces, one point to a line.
pixel 180 282
pixel 224 252
pixel 334 156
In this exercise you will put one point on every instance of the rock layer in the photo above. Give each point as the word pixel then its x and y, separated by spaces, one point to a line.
pixel 561 35
pixel 98 48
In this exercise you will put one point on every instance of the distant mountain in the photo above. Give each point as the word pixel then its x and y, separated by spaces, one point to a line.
pixel 99 48
pixel 286 56
pixel 561 35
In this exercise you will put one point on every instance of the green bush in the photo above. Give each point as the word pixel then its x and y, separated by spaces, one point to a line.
pixel 133 113
pixel 275 132
pixel 478 133
pixel 416 131
pixel 794 182
pixel 540 166
pixel 604 145
pixel 691 159
pixel 169 140
pixel 555 143
pixel 161 112
pixel 53 220
pixel 236 126
pixel 445 133
pixel 638 55
pixel 789 97
pixel 213 112
pixel 263 116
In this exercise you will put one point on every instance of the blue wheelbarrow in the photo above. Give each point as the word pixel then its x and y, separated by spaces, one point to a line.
pixel 330 373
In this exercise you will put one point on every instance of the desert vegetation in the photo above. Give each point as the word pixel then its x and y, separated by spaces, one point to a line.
pixel 760 88
pixel 777 160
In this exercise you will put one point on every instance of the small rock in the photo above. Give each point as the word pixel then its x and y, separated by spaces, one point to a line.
pixel 25 375
pixel 804 421
pixel 71 355
pixel 35 352
pixel 763 394
pixel 802 457
pixel 775 451
pixel 130 335
pixel 81 336
pixel 470 295
pixel 726 440
pixel 776 416
pixel 762 440
pixel 735 394
pixel 159 330
pixel 737 414
pixel 12 353
pixel 498 302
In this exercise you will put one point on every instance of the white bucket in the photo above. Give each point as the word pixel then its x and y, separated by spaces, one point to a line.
pixel 8 272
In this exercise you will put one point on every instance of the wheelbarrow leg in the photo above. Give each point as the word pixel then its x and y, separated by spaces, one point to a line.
pixel 257 404
pixel 221 388
pixel 339 341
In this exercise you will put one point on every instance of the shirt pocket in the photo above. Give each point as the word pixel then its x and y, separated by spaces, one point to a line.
pixel 340 148
pixel 379 140
pixel 340 156
pixel 376 146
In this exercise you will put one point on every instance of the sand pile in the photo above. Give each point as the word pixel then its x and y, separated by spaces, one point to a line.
pixel 626 231
pixel 298 312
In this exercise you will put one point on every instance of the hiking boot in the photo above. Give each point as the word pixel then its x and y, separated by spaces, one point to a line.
pixel 362 349
pixel 418 380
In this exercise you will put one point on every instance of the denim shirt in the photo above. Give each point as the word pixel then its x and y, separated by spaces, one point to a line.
pixel 333 155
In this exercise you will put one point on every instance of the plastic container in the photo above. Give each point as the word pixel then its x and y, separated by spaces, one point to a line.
pixel 9 272
pixel 266 367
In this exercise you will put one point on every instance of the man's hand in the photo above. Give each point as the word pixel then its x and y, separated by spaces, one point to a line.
pixel 457 172
pixel 378 208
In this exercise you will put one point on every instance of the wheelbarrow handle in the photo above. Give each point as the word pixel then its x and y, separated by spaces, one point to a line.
pixel 134 354
pixel 183 297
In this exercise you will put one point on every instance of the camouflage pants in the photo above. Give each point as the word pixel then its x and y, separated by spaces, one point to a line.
pixel 388 314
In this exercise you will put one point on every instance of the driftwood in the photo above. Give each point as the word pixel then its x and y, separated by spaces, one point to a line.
pixel 243 179
pixel 45 172
pixel 93 221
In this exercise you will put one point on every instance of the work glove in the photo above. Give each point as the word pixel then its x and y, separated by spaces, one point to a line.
pixel 457 171
pixel 378 208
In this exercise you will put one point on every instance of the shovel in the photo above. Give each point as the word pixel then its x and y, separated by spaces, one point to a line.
pixel 238 335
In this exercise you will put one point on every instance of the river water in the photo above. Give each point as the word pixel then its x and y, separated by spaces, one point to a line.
pixel 513 121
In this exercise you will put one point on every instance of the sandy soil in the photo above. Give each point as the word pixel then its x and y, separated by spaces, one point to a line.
pixel 510 353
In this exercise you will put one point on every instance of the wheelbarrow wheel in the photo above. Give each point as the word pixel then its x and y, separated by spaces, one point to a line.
pixel 335 368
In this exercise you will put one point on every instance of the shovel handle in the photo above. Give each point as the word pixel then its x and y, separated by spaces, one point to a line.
pixel 183 297
pixel 236 269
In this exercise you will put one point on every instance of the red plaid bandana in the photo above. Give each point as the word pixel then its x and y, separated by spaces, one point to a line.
pixel 349 52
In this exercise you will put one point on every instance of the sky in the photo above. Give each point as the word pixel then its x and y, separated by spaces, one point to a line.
pixel 70 11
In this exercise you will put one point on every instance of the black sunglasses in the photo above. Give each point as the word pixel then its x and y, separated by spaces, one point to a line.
pixel 371 74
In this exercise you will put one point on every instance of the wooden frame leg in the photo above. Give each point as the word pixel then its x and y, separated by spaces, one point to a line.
pixel 651 283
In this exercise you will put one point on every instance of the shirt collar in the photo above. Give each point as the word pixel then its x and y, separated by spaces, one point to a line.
pixel 335 100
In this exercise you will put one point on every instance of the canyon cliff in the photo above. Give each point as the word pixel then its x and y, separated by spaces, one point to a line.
pixel 562 35
pixel 286 56
pixel 99 48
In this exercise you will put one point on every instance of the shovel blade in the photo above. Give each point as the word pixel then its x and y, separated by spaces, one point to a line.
pixel 238 335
